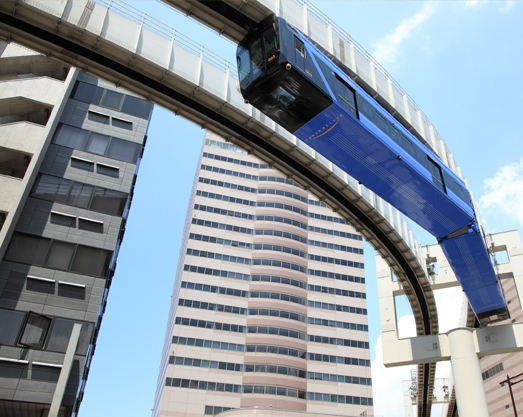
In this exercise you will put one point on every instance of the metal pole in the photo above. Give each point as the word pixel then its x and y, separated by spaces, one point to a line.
pixel 510 383
pixel 468 383
pixel 512 396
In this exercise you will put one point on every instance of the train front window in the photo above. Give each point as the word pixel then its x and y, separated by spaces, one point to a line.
pixel 270 43
pixel 250 60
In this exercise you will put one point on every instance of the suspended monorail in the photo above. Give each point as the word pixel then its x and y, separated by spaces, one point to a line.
pixel 289 79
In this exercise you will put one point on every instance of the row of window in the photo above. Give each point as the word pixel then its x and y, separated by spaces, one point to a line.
pixel 87 141
pixel 221 197
pixel 279 233
pixel 269 369
pixel 267 390
pixel 56 254
pixel 334 233
pixel 336 291
pixel 279 219
pixel 236 328
pixel 279 264
pixel 335 261
pixel 492 371
pixel 240 293
pixel 332 275
pixel 78 194
pixel 338 342
pixel 277 313
pixel 250 203
pixel 18 328
pixel 222 226
pixel 48 286
pixel 280 180
pixel 217 272
pixel 211 410
pixel 224 145
pixel 288 207
pixel 233 388
pixel 203 305
pixel 285 297
pixel 270 191
pixel 209 344
pixel 279 248
pixel 220 241
pixel 227 185
pixel 238 367
pixel 215 289
pixel 318 357
pixel 357 380
pixel 218 256
pixel 338 324
pixel 134 106
pixel 235 161
pixel 338 307
pixel 223 212
pixel 327 218
pixel 317 203
pixel 275 350
pixel 228 172
pixel 278 296
pixel 278 280
pixel 341 399
pixel 21 371
pixel 342 248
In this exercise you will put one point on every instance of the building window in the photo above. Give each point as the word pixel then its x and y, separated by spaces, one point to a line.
pixel 84 140
pixel 80 195
pixel 34 330
pixel 124 103
pixel 35 250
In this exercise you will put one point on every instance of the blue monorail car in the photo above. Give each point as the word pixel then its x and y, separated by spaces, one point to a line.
pixel 289 79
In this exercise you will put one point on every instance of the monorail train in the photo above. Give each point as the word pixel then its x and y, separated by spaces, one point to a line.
pixel 289 79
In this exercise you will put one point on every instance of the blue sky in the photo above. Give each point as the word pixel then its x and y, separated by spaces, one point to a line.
pixel 460 61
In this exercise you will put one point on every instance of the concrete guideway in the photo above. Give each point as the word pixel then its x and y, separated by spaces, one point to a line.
pixel 144 56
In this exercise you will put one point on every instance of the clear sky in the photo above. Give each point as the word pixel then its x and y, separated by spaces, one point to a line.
pixel 461 62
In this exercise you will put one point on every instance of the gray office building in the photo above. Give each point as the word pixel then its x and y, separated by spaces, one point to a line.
pixel 70 146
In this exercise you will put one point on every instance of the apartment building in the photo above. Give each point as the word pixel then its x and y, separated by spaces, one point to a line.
pixel 70 147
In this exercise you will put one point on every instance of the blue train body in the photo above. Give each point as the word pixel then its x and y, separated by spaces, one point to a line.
pixel 289 79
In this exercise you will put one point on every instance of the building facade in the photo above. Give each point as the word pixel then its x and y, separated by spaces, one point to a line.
pixel 70 147
pixel 269 308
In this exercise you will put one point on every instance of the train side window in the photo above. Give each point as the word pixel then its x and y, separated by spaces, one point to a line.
pixel 300 47
pixel 345 96
pixel 437 176
pixel 381 122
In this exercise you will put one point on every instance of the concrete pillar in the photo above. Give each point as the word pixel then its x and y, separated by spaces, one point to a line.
pixel 468 383
pixel 66 370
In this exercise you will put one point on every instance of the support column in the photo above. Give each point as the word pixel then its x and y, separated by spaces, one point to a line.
pixel 468 383
pixel 66 370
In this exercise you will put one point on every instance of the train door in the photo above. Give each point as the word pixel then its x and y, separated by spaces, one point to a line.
pixel 299 50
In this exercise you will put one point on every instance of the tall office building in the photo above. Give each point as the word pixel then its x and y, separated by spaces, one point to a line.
pixel 269 310
pixel 70 146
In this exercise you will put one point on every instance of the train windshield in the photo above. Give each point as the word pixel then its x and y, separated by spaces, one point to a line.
pixel 250 60
pixel 254 52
